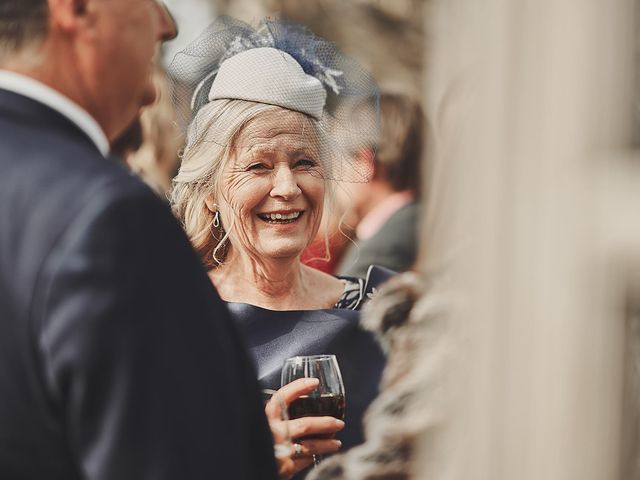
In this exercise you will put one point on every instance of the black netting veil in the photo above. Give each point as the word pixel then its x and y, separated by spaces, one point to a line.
pixel 231 63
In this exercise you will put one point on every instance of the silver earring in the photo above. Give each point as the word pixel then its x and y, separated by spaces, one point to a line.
pixel 216 216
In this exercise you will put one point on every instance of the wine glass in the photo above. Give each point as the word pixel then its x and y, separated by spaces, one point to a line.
pixel 327 399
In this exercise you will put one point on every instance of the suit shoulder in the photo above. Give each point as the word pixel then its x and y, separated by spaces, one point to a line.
pixel 54 189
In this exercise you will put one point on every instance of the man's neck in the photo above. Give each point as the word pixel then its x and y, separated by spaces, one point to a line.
pixel 42 63
pixel 374 220
pixel 377 193
pixel 26 60
pixel 31 83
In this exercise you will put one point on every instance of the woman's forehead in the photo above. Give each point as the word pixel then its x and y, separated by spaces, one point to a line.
pixel 282 126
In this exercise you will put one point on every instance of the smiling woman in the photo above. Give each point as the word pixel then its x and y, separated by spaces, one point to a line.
pixel 269 122
pixel 273 186
pixel 251 142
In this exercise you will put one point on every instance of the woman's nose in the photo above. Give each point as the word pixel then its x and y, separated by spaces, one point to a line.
pixel 285 184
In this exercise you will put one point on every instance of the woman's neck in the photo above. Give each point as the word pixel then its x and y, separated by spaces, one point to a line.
pixel 275 284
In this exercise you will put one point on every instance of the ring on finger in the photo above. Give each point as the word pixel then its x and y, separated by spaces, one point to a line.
pixel 297 450
pixel 281 450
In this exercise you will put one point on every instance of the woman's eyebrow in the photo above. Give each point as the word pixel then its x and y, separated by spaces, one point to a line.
pixel 291 150
pixel 304 150
pixel 263 150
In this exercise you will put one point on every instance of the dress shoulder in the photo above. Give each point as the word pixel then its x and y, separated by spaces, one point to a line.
pixel 357 291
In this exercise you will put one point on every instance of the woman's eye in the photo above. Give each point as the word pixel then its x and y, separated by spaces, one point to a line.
pixel 306 162
pixel 257 166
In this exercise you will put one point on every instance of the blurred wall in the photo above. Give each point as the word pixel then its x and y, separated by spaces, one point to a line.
pixel 535 213
pixel 385 35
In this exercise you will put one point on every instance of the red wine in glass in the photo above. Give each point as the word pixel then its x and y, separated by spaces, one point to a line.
pixel 328 399
pixel 328 404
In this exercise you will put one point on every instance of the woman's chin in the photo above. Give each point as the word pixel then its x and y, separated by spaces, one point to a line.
pixel 283 252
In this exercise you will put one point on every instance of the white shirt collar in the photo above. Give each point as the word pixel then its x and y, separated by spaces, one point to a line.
pixel 40 92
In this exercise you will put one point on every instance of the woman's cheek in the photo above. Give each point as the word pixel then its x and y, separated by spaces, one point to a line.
pixel 316 196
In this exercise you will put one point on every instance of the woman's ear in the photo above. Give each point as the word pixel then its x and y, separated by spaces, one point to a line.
pixel 211 204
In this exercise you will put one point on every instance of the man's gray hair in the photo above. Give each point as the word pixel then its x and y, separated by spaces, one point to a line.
pixel 22 23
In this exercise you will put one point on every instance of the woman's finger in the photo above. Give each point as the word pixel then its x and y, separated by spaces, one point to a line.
pixel 289 467
pixel 302 463
pixel 286 468
pixel 288 393
pixel 317 446
pixel 313 426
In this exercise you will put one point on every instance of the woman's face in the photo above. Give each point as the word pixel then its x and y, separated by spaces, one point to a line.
pixel 272 187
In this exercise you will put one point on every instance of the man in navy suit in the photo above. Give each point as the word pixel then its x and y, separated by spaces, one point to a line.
pixel 117 358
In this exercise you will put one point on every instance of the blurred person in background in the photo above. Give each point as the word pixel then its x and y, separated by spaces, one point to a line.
pixel 326 250
pixel 117 358
pixel 150 145
pixel 256 176
pixel 386 210
pixel 128 142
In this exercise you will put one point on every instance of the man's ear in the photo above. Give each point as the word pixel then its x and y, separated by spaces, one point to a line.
pixel 211 204
pixel 70 15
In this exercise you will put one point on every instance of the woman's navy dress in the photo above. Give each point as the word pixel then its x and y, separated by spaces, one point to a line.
pixel 274 336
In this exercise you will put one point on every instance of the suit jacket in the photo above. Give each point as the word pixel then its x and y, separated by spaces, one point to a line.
pixel 117 358
pixel 394 246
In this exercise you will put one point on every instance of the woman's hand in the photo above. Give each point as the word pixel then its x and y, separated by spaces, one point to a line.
pixel 296 455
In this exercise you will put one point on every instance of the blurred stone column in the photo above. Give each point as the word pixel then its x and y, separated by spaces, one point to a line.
pixel 533 194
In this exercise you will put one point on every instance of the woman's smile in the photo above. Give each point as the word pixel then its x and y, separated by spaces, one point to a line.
pixel 281 217
pixel 273 188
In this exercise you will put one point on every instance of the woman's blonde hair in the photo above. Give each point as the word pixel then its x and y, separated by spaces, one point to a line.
pixel 210 142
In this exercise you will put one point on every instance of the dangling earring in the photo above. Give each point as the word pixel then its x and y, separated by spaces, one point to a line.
pixel 216 216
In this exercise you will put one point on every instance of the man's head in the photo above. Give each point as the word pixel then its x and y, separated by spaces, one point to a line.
pixel 96 52
pixel 400 146
pixel 398 157
pixel 22 23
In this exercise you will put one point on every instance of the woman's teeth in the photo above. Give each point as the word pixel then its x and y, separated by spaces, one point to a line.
pixel 279 217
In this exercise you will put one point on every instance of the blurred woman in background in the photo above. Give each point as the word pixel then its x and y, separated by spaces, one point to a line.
pixel 149 146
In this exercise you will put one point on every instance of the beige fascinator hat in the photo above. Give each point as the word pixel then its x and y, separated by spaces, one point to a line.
pixel 285 65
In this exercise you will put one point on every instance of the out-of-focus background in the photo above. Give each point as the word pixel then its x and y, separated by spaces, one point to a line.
pixel 387 36
pixel 529 217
